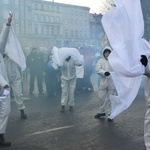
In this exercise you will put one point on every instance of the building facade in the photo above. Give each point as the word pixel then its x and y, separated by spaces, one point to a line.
pixel 45 24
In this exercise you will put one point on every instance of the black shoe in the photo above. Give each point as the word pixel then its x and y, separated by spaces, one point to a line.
pixel 3 143
pixel 109 120
pixel 99 115
pixel 62 108
pixel 71 108
pixel 23 115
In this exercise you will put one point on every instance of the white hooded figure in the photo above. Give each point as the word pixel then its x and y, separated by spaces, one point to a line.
pixel 107 87
pixel 5 97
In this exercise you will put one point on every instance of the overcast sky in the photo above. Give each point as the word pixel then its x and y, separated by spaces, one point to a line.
pixel 93 4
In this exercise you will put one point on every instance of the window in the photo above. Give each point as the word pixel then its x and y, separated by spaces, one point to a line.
pixel 5 1
pixel 52 30
pixel 57 9
pixel 58 30
pixel 42 18
pixel 52 18
pixel 35 6
pixel 66 33
pixel 17 2
pixel 76 33
pixel 35 17
pixel 58 19
pixel 47 19
pixel 36 29
pixel 47 30
pixel 72 33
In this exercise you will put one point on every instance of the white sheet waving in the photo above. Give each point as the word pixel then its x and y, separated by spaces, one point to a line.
pixel 124 27
pixel 14 50
pixel 60 54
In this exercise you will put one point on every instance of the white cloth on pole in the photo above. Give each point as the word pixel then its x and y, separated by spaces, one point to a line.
pixel 14 50
pixel 59 55
pixel 124 27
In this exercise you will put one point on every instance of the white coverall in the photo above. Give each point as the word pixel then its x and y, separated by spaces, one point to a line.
pixel 147 115
pixel 107 87
pixel 14 78
pixel 68 82
pixel 4 103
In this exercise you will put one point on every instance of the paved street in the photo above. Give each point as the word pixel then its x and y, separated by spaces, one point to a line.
pixel 48 129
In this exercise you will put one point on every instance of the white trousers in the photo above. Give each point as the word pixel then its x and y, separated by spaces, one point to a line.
pixel 17 91
pixel 4 114
pixel 68 88
pixel 147 126
pixel 105 104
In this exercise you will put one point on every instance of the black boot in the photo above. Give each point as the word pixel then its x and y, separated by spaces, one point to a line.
pixel 99 115
pixel 62 108
pixel 2 141
pixel 23 115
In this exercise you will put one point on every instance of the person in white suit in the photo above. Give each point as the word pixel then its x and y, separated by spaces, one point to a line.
pixel 15 81
pixel 107 87
pixel 68 82
pixel 144 61
pixel 4 86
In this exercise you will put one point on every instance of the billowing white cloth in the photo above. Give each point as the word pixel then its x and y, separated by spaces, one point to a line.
pixel 124 27
pixel 59 55
pixel 14 50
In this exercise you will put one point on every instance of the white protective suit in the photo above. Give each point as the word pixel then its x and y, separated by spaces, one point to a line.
pixel 15 60
pixel 68 81
pixel 14 78
pixel 4 103
pixel 106 85
pixel 68 70
pixel 147 115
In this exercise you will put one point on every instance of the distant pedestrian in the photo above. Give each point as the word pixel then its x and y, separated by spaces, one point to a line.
pixel 88 70
pixel 51 78
pixel 35 63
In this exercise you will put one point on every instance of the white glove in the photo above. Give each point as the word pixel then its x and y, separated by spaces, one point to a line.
pixel 6 92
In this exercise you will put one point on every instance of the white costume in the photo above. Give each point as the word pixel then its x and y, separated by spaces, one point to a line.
pixel 68 70
pixel 68 82
pixel 106 85
pixel 15 59
pixel 4 103
pixel 147 115
pixel 126 39
pixel 14 78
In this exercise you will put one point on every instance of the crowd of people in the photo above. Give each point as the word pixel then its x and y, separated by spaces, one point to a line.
pixel 72 76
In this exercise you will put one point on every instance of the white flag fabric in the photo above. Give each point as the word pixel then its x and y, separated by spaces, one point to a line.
pixel 124 27
pixel 60 54
pixel 14 50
